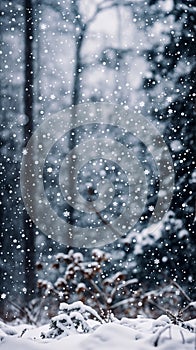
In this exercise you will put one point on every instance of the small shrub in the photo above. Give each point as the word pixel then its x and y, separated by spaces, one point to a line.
pixel 73 318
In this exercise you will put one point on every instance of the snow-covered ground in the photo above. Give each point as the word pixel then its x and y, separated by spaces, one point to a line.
pixel 136 334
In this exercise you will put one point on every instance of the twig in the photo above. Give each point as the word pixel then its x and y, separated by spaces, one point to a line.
pixel 98 290
pixel 104 6
pixel 157 306
pixel 17 307
pixel 39 311
pixel 183 338
pixel 24 312
pixel 105 222
pixel 23 332
pixel 159 334
pixel 182 291
pixel 174 319
pixel 123 285
pixel 181 311
pixel 122 302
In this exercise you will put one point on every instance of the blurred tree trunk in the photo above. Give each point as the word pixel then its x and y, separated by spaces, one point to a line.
pixel 76 92
pixel 29 260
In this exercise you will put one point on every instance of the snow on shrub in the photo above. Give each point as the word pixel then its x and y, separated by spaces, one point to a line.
pixel 92 284
pixel 72 318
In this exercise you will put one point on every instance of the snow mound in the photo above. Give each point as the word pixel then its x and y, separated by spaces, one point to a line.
pixel 138 334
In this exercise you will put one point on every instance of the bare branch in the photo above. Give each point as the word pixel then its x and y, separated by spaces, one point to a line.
pixel 106 5
pixel 102 294
pixel 122 302
pixel 162 330
pixel 183 339
pixel 105 222
pixel 182 291
pixel 24 311
pixel 174 319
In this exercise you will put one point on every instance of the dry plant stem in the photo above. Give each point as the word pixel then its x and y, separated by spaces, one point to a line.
pixel 122 302
pixel 99 291
pixel 181 311
pixel 183 338
pixel 39 311
pixel 24 312
pixel 123 285
pixel 182 291
pixel 159 334
pixel 112 228
pixel 157 306
pixel 23 332
pixel 174 319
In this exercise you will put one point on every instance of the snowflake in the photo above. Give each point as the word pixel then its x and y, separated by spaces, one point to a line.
pixel 151 208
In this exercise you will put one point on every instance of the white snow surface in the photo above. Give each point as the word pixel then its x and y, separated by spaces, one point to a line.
pixel 138 334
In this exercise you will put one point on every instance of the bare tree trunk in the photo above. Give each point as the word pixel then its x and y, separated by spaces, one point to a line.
pixel 29 260
pixel 72 137
pixel 78 69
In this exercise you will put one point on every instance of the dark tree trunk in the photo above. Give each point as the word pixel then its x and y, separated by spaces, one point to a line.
pixel 29 260
pixel 78 69
pixel 75 100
